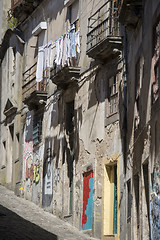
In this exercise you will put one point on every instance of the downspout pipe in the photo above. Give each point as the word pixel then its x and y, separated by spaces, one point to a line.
pixel 125 70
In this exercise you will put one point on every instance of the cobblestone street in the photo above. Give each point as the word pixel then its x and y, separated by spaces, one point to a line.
pixel 22 219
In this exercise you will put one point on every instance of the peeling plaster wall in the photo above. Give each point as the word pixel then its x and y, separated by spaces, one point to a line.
pixel 11 96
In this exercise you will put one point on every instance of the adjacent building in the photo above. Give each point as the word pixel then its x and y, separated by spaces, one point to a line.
pixel 79 112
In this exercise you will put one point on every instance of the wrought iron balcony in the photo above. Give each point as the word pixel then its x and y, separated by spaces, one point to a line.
pixel 34 93
pixel 20 9
pixel 130 12
pixel 103 38
pixel 65 75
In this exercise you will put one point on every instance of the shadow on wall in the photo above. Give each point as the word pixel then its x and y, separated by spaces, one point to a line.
pixel 47 192
pixel 47 11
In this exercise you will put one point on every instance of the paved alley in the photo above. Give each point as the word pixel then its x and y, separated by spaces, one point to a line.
pixel 22 219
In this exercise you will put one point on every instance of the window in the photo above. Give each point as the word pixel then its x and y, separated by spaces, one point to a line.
pixel 113 96
pixel 74 14
pixel 37 128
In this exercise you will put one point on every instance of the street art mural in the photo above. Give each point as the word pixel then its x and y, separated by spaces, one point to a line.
pixel 28 152
pixel 32 173
pixel 35 175
pixel 155 207
pixel 87 214
pixel 32 160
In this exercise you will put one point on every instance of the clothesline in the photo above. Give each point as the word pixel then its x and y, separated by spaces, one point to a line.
pixel 59 52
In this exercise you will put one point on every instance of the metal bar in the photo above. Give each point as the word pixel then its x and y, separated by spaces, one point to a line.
pixel 30 68
pixel 100 8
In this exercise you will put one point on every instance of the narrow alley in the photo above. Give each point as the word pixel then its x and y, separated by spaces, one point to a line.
pixel 22 219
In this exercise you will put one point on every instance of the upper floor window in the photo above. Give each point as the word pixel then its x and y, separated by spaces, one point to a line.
pixel 37 128
pixel 113 95
pixel 74 14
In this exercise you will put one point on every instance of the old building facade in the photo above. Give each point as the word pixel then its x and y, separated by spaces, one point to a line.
pixel 141 136
pixel 79 112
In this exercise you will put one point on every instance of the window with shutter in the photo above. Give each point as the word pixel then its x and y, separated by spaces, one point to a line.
pixel 37 128
pixel 113 96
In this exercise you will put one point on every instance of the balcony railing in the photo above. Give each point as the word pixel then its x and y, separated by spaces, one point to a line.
pixel 33 91
pixel 103 24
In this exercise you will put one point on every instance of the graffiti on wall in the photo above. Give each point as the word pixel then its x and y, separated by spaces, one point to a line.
pixel 32 172
pixel 47 179
pixel 56 176
pixel 28 144
pixel 155 207
pixel 87 214
pixel 48 174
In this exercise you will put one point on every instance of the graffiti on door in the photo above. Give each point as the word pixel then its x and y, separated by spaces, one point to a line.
pixel 87 214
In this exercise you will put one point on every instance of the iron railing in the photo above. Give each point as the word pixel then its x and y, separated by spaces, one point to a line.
pixel 103 23
pixel 29 81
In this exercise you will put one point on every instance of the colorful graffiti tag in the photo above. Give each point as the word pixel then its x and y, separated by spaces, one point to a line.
pixel 32 173
pixel 155 207
pixel 87 214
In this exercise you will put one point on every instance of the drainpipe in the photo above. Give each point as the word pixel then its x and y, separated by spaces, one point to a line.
pixel 124 124
pixel 125 81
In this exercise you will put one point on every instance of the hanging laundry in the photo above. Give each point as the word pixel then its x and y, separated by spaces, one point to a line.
pixel 48 65
pixel 72 39
pixel 59 51
pixel 64 51
pixel 77 41
pixel 68 47
pixel 52 54
pixel 45 56
pixel 40 64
